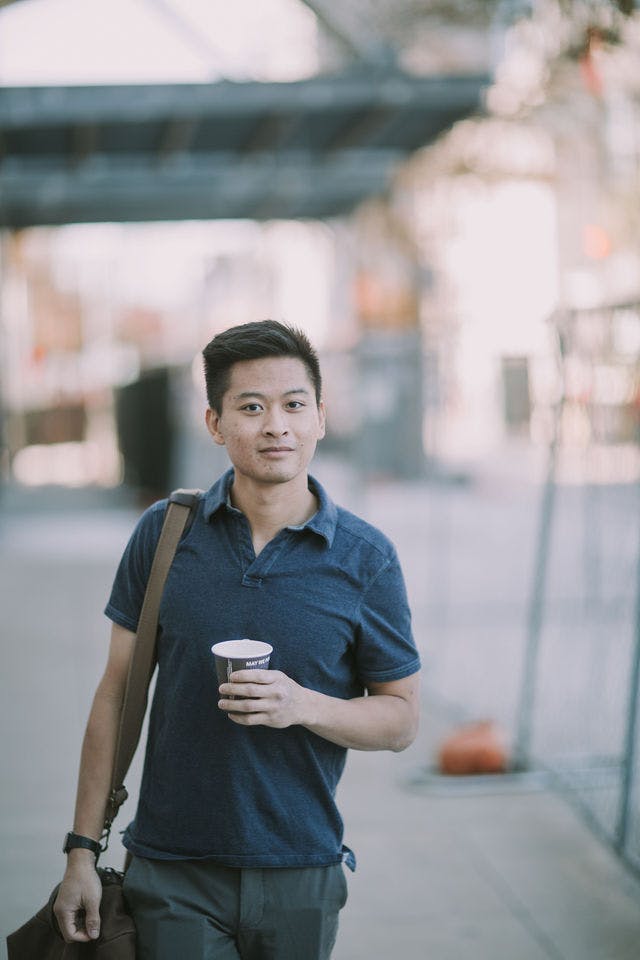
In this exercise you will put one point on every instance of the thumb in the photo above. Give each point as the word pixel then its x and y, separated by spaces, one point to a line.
pixel 92 920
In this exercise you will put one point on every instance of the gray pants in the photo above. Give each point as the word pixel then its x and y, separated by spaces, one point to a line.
pixel 197 910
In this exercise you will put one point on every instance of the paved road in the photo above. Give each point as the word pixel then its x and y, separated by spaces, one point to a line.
pixel 449 872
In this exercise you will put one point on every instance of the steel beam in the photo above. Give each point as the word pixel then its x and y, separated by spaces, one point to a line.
pixel 45 107
pixel 204 188
pixel 183 151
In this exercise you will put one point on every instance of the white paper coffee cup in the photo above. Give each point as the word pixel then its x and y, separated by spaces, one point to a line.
pixel 232 655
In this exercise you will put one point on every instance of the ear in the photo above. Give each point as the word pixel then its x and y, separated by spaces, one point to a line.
pixel 212 419
pixel 322 417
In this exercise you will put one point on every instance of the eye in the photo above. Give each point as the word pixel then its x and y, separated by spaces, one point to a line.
pixel 294 404
pixel 252 407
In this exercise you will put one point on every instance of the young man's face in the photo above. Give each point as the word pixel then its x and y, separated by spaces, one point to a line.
pixel 270 422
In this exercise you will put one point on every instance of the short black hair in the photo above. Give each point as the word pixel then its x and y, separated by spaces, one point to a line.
pixel 254 341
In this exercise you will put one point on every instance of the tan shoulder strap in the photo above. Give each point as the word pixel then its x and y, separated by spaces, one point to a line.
pixel 143 659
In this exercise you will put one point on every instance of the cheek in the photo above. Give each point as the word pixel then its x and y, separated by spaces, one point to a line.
pixel 236 439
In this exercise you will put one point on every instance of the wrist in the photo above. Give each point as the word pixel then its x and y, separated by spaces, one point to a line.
pixel 78 856
pixel 80 845
pixel 309 707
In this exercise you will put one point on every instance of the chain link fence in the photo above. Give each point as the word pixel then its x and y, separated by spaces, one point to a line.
pixel 525 594
pixel 581 720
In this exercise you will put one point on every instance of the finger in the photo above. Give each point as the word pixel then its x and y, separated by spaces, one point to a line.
pixel 244 691
pixel 246 705
pixel 71 923
pixel 228 689
pixel 254 676
pixel 250 719
pixel 253 690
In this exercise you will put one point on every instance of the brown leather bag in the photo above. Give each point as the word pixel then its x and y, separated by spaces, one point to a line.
pixel 39 938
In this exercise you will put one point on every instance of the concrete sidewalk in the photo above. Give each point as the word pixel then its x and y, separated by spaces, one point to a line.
pixel 465 871
pixel 446 870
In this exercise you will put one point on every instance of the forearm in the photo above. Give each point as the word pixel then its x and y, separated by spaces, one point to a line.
pixel 380 722
pixel 78 901
pixel 96 762
pixel 386 719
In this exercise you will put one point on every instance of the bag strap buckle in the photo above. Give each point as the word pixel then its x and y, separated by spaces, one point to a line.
pixel 114 801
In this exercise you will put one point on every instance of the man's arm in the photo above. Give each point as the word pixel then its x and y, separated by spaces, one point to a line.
pixel 386 719
pixel 78 902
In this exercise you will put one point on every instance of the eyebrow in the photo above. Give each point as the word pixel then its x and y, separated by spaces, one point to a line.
pixel 262 396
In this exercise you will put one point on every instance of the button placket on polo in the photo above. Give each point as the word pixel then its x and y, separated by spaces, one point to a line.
pixel 244 548
pixel 253 568
pixel 261 565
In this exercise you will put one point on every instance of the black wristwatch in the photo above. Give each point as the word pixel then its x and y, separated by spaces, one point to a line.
pixel 74 840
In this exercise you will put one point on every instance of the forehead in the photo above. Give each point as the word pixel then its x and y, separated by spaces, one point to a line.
pixel 269 375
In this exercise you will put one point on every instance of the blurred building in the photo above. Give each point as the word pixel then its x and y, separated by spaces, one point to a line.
pixel 429 295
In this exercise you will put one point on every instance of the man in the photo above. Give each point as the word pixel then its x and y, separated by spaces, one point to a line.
pixel 237 841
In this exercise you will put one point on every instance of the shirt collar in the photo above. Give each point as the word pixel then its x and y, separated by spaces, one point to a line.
pixel 323 522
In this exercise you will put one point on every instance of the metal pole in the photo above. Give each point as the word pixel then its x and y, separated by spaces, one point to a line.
pixel 535 618
pixel 592 526
pixel 631 735
pixel 522 746
pixel 4 440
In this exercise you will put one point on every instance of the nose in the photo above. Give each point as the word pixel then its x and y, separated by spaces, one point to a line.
pixel 274 424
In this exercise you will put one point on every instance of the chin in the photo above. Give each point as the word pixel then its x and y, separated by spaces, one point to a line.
pixel 279 475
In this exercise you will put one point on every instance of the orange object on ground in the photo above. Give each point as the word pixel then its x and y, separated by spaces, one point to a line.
pixel 475 748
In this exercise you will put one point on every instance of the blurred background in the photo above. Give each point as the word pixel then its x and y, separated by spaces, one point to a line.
pixel 445 195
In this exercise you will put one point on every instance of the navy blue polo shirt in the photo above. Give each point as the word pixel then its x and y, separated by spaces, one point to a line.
pixel 330 598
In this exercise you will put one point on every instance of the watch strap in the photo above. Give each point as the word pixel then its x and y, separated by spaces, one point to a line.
pixel 73 841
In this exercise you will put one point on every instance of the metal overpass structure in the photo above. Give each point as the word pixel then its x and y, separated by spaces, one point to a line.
pixel 308 149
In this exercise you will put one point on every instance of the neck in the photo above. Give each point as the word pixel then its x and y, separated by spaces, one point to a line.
pixel 271 507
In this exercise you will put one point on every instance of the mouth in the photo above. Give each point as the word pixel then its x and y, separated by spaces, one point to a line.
pixel 277 450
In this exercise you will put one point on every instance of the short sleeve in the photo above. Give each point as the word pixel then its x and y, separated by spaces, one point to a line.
pixel 385 648
pixel 130 583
